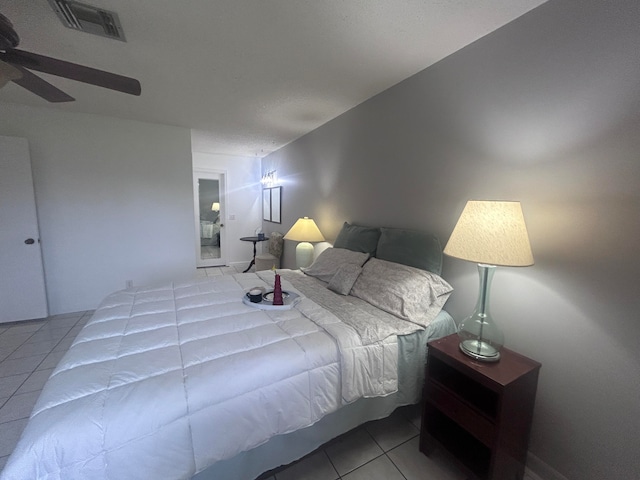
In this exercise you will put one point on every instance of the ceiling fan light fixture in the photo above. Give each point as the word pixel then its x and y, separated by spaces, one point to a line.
pixel 87 18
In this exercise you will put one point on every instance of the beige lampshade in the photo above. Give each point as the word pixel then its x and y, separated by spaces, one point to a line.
pixel 493 233
pixel 304 230
pixel 215 206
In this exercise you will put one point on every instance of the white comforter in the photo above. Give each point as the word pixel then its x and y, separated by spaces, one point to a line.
pixel 163 382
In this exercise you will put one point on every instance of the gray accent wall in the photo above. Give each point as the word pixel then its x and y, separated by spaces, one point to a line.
pixel 545 110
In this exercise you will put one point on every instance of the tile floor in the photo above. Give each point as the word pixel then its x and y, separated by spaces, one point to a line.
pixel 208 252
pixel 28 353
pixel 386 449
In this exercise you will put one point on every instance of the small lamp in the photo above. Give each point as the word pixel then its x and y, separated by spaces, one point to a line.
pixel 490 233
pixel 304 231
pixel 215 208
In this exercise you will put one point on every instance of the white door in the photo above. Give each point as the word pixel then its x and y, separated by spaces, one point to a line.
pixel 22 289
pixel 209 207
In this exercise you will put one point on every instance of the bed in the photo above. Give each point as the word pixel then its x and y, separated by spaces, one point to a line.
pixel 185 380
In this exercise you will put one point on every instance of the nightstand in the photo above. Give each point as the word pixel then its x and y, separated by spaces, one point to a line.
pixel 479 412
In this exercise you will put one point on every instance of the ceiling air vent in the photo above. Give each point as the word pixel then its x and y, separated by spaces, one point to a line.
pixel 86 18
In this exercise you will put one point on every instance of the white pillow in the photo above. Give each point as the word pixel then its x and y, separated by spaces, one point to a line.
pixel 329 261
pixel 406 292
pixel 344 278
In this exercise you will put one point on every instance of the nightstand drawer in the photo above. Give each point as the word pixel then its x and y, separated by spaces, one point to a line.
pixel 464 415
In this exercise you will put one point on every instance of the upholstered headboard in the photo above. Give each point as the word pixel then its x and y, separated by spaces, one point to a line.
pixel 399 245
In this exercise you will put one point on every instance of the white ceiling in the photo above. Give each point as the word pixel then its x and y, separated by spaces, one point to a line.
pixel 254 74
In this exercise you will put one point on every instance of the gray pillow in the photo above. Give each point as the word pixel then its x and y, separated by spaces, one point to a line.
pixel 330 260
pixel 358 238
pixel 344 278
pixel 406 292
pixel 410 247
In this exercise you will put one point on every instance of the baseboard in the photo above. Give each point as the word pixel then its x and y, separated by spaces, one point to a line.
pixel 536 469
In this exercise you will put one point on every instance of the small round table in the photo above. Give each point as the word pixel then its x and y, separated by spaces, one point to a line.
pixel 255 240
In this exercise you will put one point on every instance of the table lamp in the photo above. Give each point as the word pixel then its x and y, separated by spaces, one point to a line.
pixel 490 233
pixel 304 231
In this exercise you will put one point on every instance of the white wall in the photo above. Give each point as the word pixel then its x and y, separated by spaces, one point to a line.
pixel 546 111
pixel 243 196
pixel 114 200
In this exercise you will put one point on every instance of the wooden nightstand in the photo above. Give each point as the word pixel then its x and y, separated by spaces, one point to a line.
pixel 479 412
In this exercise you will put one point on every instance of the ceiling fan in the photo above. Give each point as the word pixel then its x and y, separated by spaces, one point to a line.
pixel 15 66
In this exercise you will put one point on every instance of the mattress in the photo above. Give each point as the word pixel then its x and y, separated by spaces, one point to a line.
pixel 189 370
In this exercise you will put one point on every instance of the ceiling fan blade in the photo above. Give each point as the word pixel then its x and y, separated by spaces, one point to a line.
pixel 40 87
pixel 8 73
pixel 73 71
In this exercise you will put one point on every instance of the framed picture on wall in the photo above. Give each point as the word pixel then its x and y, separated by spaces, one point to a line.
pixel 275 204
pixel 271 204
pixel 266 204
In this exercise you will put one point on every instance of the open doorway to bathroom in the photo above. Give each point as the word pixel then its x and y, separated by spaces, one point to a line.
pixel 209 199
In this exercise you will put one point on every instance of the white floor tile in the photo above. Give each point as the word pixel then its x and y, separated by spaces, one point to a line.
pixel 48 335
pixel 5 352
pixel 29 349
pixel 9 385
pixel 10 434
pixel 417 466
pixel 313 467
pixel 73 333
pixel 14 341
pixel 352 451
pixel 51 360
pixel 65 317
pixel 392 431
pixel 20 365
pixel 18 406
pixel 55 328
pixel 64 344
pixel 36 381
pixel 27 327
pixel 379 469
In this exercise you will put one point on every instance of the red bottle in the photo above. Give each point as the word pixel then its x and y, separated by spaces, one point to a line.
pixel 277 292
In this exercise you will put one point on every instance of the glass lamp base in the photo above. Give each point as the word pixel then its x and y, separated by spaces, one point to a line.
pixel 479 350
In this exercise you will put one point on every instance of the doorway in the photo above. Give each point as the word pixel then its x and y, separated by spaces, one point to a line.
pixel 209 202
pixel 23 294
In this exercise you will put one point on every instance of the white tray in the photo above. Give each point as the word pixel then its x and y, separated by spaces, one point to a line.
pixel 290 300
